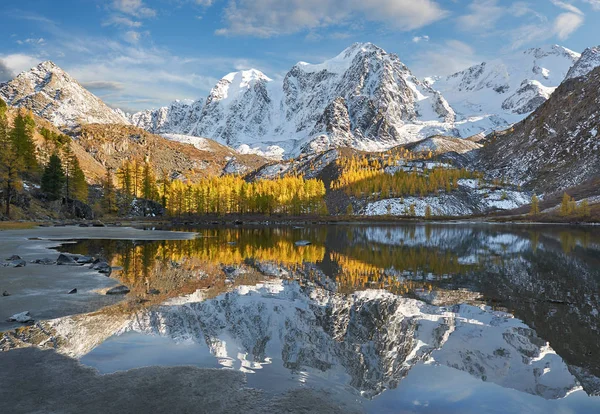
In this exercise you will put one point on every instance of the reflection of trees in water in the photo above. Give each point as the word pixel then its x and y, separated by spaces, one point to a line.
pixel 547 277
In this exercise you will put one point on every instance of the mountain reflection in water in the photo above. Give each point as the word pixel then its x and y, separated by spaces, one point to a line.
pixel 360 308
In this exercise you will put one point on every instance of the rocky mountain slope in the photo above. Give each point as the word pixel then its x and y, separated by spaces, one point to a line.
pixel 590 59
pixel 111 144
pixel 495 94
pixel 364 97
pixel 51 93
pixel 556 147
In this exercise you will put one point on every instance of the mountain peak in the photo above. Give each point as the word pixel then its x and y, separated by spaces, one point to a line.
pixel 342 61
pixel 551 50
pixel 590 59
pixel 245 77
pixel 48 65
pixel 51 93
pixel 359 47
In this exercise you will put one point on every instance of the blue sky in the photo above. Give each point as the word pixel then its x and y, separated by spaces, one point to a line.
pixel 138 54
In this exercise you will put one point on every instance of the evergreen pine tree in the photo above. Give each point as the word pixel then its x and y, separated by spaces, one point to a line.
pixel 149 191
pixel 22 138
pixel 109 199
pixel 11 164
pixel 75 185
pixel 53 178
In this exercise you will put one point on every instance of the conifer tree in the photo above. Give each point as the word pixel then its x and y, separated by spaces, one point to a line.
pixel 411 210
pixel 22 138
pixel 566 205
pixel 109 199
pixel 53 178
pixel 149 191
pixel 427 212
pixel 75 185
pixel 535 205
pixel 584 208
pixel 11 164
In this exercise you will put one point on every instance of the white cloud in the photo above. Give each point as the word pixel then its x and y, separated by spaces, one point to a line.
pixel 419 39
pixel 567 6
pixel 444 59
pixel 121 21
pixel 103 85
pixel 34 41
pixel 132 36
pixel 483 15
pixel 5 72
pixel 567 23
pixel 18 62
pixel 266 18
pixel 594 3
pixel 133 8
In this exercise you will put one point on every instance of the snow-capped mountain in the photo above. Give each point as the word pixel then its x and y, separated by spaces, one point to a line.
pixel 590 59
pixel 364 97
pixel 557 146
pixel 498 93
pixel 367 99
pixel 51 93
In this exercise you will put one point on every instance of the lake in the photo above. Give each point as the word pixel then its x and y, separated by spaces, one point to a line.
pixel 453 318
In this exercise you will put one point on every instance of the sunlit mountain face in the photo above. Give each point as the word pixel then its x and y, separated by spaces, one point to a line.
pixel 358 309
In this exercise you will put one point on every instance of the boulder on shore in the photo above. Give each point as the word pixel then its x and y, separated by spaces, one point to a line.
pixel 22 317
pixel 118 290
pixel 63 259
pixel 102 267
pixel 84 259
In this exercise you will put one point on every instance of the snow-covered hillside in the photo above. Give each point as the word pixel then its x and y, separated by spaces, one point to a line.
pixel 498 93
pixel 590 59
pixel 51 93
pixel 364 98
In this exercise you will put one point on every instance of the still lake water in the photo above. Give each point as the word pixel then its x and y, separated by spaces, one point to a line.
pixel 391 318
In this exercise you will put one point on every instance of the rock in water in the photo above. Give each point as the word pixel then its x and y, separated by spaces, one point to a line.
pixel 44 261
pixel 84 260
pixel 103 267
pixel 118 290
pixel 63 259
pixel 14 257
pixel 22 317
pixel 302 243
pixel 18 263
pixel 5 293
pixel 72 291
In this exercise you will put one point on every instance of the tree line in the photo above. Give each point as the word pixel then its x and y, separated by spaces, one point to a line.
pixel 367 177
pixel 228 194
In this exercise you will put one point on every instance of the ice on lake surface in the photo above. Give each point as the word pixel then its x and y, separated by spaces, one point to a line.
pixel 393 318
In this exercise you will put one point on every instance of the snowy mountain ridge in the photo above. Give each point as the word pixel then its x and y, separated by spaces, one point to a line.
pixel 363 98
pixel 367 99
pixel 51 93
